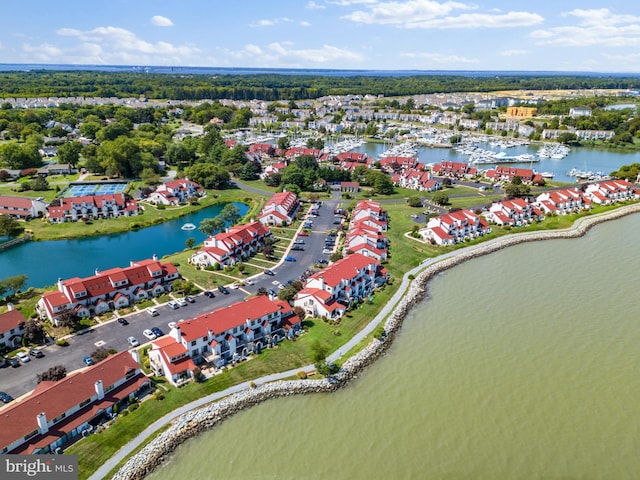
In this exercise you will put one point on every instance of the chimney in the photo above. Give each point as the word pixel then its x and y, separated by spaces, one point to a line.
pixel 99 389
pixel 60 286
pixel 9 306
pixel 176 333
pixel 42 423
pixel 321 278
pixel 97 272
pixel 155 257
pixel 135 355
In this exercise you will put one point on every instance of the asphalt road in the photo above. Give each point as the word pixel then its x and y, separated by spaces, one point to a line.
pixel 21 380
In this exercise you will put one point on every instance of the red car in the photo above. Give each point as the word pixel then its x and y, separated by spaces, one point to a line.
pixel 303 234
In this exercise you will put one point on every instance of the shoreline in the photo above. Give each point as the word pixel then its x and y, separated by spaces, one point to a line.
pixel 198 420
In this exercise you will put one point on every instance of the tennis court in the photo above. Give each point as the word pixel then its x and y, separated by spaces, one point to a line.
pixel 82 189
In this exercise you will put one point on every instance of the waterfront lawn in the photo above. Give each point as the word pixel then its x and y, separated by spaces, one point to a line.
pixel 13 191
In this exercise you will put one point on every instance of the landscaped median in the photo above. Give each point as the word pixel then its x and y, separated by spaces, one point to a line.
pixel 410 293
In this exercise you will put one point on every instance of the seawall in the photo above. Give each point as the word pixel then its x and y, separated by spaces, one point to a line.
pixel 199 420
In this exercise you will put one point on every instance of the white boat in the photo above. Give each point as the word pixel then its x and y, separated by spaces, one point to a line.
pixel 188 226
pixel 546 174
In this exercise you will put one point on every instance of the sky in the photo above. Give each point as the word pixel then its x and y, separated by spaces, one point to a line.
pixel 543 35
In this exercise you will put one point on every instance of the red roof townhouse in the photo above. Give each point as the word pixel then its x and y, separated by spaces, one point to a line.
pixel 516 212
pixel 349 279
pixel 611 191
pixel 563 202
pixel 11 328
pixel 232 246
pixel 454 227
pixel 279 209
pixel 502 173
pixel 22 208
pixel 226 335
pixel 109 289
pixel 56 414
pixel 453 169
pixel 176 191
pixel 90 207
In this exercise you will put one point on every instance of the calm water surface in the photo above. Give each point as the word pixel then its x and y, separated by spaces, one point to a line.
pixel 522 364
pixel 45 262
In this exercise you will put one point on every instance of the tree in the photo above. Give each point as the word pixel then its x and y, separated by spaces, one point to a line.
pixel 34 332
pixel 414 202
pixel 52 375
pixel 516 188
pixel 190 242
pixel 208 175
pixel 211 226
pixel 67 318
pixel 230 214
pixel 69 153
pixel 9 226
pixel 268 250
pixel 440 198
pixel 150 177
pixel 40 184
pixel 15 283
pixel 319 352
pixel 99 354
pixel 381 182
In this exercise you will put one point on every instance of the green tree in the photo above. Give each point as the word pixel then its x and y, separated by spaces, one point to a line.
pixel 34 332
pixel 230 214
pixel 15 283
pixel 414 201
pixel 69 153
pixel 9 226
pixel 516 188
pixel 150 177
pixel 208 175
pixel 190 242
pixel 211 226
pixel 440 198
pixel 53 374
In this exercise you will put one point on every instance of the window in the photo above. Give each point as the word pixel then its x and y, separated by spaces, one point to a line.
pixel 193 343
pixel 204 339
pixel 57 419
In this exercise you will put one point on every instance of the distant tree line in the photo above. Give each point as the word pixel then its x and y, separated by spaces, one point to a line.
pixel 272 87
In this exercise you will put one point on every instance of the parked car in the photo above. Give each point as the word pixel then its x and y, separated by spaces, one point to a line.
pixel 133 342
pixel 173 304
pixel 13 362
pixel 272 293
pixel 23 357
pixel 5 397
pixel 182 302
pixel 248 281
pixel 87 361
pixel 269 272
pixel 122 321
pixel 327 251
pixel 223 289
pixel 149 334
pixel 303 234
pixel 209 294
pixel 172 324
pixel 34 352
pixel 235 285
pixel 152 311
pixel 190 299
pixel 297 247
pixel 157 332
pixel 289 258
pixel 322 261
pixel 299 241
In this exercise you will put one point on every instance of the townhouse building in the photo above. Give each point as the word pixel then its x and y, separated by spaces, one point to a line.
pixel 611 191
pixel 329 293
pixel 235 245
pixel 223 336
pixel 56 414
pixel 454 227
pixel 22 208
pixel 515 212
pixel 563 202
pixel 176 191
pixel 11 328
pixel 108 290
pixel 504 173
pixel 280 209
pixel 453 169
pixel 92 207
pixel 396 164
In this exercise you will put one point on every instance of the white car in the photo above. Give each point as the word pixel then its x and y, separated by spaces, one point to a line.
pixel 182 302
pixel 235 286
pixel 23 357
pixel 133 342
pixel 173 304
pixel 248 281
pixel 149 334
pixel 152 311
pixel 172 324
pixel 327 251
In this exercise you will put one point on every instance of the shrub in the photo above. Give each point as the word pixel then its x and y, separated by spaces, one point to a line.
pixel 302 374
pixel 62 342
pixel 252 384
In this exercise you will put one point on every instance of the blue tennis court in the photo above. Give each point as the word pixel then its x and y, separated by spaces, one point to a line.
pixel 82 189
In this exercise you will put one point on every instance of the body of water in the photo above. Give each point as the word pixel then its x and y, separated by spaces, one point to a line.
pixel 522 364
pixel 44 262
pixel 585 159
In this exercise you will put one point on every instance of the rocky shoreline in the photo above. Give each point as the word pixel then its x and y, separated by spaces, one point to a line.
pixel 196 421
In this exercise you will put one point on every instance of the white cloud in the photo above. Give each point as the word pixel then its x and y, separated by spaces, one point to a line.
pixel 432 14
pixel 314 6
pixel 513 52
pixel 283 54
pixel 160 21
pixel 305 24
pixel 111 45
pixel 594 27
pixel 439 59
pixel 270 22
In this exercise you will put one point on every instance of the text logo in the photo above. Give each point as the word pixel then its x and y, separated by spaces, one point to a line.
pixel 50 467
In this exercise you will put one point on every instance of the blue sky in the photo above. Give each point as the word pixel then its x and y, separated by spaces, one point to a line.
pixel 563 35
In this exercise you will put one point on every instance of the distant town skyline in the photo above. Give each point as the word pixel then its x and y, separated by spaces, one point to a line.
pixel 494 35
